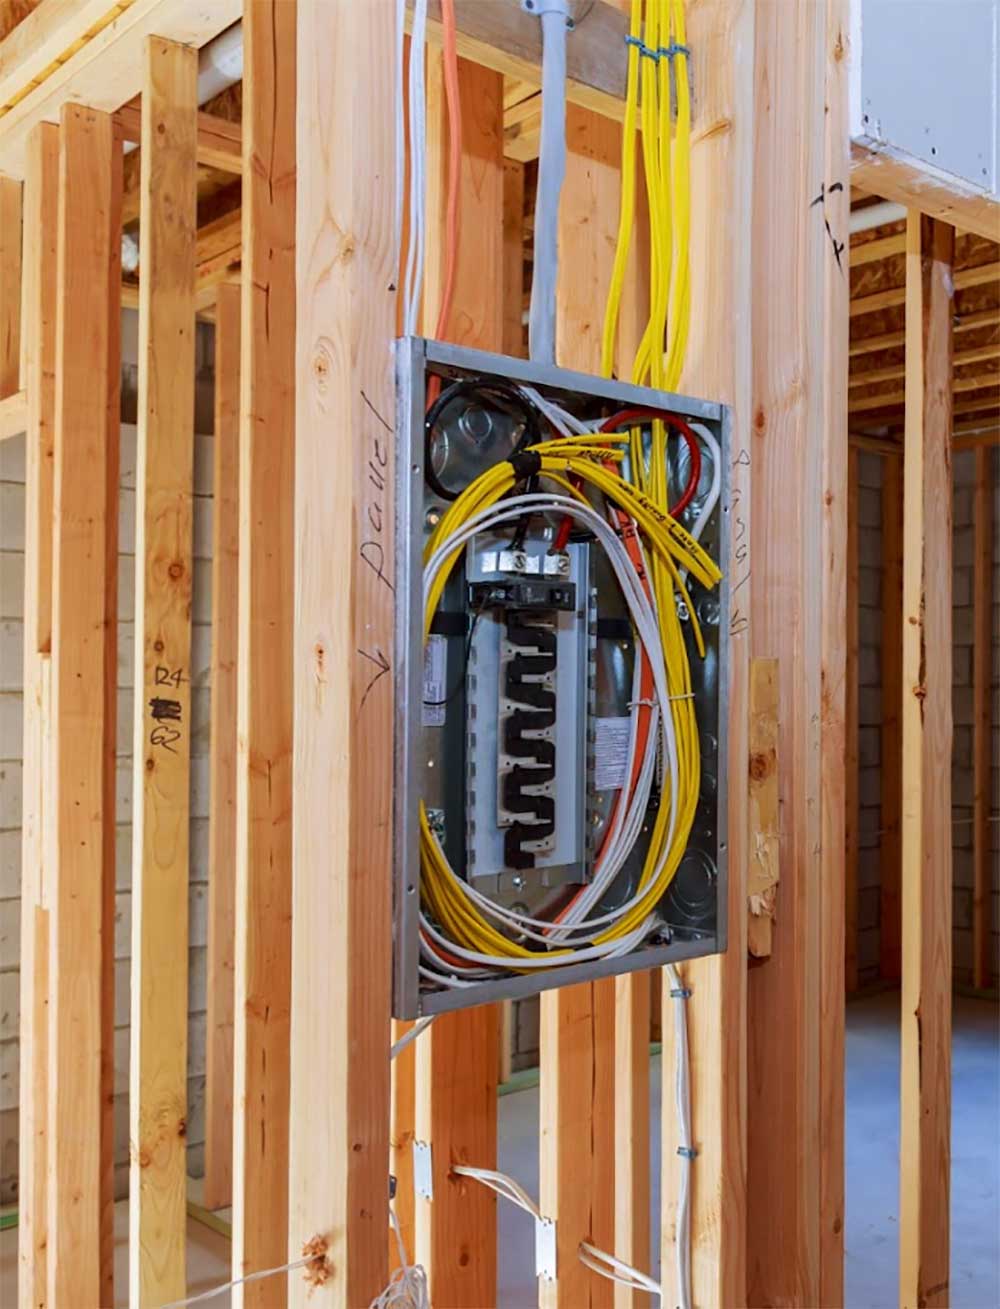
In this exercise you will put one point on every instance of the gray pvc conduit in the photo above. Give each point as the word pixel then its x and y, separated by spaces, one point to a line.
pixel 554 17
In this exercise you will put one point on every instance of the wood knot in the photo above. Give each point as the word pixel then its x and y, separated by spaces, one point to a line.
pixel 760 765
pixel 158 647
pixel 182 1127
pixel 150 765
pixel 322 365
pixel 760 421
pixel 920 692
pixel 176 570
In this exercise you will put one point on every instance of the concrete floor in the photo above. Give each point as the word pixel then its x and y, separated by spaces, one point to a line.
pixel 872 1173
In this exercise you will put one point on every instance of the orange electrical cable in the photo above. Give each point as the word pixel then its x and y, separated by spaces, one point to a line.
pixel 453 211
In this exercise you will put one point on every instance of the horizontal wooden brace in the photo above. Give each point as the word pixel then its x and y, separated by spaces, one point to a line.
pixel 220 142
pixel 13 415
pixel 508 39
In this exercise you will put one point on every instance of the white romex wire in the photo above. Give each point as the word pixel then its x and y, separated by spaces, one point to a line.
pixel 682 1091
pixel 418 155
pixel 644 617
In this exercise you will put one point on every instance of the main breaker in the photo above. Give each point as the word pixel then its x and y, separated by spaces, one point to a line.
pixel 561 666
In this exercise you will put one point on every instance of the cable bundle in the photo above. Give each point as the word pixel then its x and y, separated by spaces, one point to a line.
pixel 464 934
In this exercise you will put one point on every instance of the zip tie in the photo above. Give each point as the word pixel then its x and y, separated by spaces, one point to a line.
pixel 643 48
pixel 674 48
pixel 680 993
pixel 641 704
pixel 687 1152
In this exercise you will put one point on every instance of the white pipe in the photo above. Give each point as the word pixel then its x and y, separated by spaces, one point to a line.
pixel 863 220
pixel 554 15
pixel 220 63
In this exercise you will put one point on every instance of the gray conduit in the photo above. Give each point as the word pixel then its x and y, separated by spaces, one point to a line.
pixel 554 17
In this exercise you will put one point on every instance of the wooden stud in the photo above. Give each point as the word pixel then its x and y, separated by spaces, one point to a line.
pixel 832 421
pixel 342 771
pixel 83 715
pixel 764 871
pixel 218 1186
pixel 89 52
pixel 851 761
pixel 456 1059
pixel 577 1025
pixel 925 1072
pixel 158 1081
pixel 10 286
pixel 982 718
pixel 266 624
pixel 718 364
pixel 794 1242
pixel 41 192
pixel 513 258
pixel 890 854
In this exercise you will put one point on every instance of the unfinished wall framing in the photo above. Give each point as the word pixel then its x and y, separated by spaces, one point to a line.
pixel 265 212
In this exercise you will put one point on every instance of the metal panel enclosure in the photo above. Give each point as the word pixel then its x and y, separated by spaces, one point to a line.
pixel 446 703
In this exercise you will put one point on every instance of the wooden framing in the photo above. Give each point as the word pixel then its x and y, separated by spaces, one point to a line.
pixel 851 728
pixel 925 1080
pixel 719 364
pixel 763 873
pixel 264 672
pixel 302 662
pixel 795 1241
pixel 10 287
pixel 456 1068
pixel 883 172
pixel 41 196
pixel 84 580
pixel 158 1078
pixel 343 650
pixel 218 1188
pixel 982 721
pixel 890 851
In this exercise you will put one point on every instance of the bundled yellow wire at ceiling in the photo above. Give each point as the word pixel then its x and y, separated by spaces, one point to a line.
pixel 460 926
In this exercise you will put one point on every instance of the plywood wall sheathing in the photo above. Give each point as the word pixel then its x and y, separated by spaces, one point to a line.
pixel 41 192
pixel 218 1182
pixel 925 1071
pixel 161 786
pixel 455 1103
pixel 343 652
pixel 266 626
pixel 798 588
pixel 718 365
pixel 82 723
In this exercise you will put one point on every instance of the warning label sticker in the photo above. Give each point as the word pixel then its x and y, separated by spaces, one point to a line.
pixel 435 671
pixel 610 753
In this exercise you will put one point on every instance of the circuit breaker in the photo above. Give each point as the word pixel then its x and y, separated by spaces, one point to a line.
pixel 561 666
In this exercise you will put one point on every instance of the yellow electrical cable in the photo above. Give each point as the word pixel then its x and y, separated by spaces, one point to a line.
pixel 660 70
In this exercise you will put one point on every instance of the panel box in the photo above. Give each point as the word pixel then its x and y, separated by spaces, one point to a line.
pixel 513 718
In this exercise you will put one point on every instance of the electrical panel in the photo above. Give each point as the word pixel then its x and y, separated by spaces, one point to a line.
pixel 530 791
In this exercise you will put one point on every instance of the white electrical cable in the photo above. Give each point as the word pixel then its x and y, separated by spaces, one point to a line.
pixel 418 185
pixel 620 842
pixel 504 1186
pixel 408 1287
pixel 554 17
pixel 685 1149
pixel 419 1026
pixel 616 1270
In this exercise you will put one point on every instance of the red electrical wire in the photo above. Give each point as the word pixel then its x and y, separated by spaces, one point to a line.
pixel 631 418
